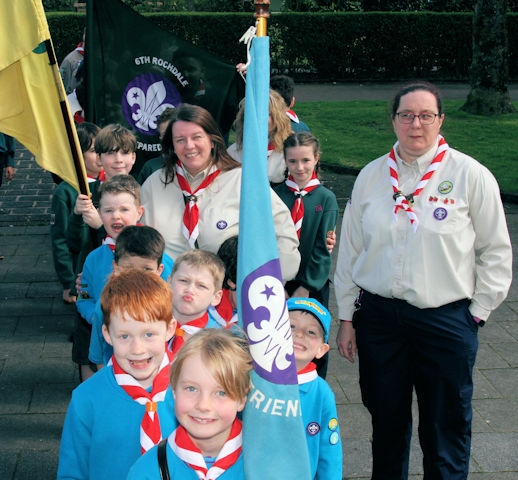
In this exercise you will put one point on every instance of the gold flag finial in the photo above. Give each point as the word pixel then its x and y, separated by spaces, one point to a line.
pixel 262 12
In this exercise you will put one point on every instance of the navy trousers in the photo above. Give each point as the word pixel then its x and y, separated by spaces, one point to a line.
pixel 402 348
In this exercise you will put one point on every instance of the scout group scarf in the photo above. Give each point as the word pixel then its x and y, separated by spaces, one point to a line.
pixel 224 313
pixel 191 214
pixel 297 211
pixel 191 328
pixel 150 433
pixel 307 374
pixel 292 116
pixel 185 450
pixel 405 202
pixel 108 240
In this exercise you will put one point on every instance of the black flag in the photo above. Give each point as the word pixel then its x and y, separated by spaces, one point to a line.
pixel 135 70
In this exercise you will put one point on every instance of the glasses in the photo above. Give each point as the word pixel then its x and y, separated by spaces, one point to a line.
pixel 425 118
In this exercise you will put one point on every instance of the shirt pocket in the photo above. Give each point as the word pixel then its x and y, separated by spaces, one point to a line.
pixel 444 215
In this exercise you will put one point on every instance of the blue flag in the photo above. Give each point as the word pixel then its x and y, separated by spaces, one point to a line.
pixel 274 442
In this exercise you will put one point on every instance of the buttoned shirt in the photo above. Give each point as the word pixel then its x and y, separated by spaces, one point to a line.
pixel 461 248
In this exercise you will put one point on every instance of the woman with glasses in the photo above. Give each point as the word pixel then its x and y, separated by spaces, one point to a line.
pixel 424 257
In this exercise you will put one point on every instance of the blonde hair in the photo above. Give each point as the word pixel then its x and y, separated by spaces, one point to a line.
pixel 203 259
pixel 141 295
pixel 280 125
pixel 225 354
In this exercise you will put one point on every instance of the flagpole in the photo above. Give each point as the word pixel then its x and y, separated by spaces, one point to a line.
pixel 76 153
pixel 261 15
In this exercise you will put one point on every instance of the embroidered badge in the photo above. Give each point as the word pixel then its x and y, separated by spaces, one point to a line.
pixel 333 424
pixel 440 213
pixel 313 428
pixel 318 208
pixel 221 225
pixel 334 438
pixel 445 187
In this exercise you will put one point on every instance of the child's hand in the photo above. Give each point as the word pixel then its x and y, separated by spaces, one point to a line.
pixel 67 297
pixel 301 292
pixel 78 284
pixel 241 68
pixel 92 218
pixel 83 204
pixel 330 241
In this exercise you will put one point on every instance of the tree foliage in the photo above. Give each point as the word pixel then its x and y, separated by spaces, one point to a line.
pixel 489 94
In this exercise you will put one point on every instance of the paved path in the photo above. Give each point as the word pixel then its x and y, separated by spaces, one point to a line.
pixel 313 92
pixel 37 375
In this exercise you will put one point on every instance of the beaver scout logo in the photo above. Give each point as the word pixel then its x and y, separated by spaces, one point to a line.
pixel 263 300
pixel 145 98
pixel 440 213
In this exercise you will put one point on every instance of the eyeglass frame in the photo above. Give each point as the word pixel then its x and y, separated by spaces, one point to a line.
pixel 413 115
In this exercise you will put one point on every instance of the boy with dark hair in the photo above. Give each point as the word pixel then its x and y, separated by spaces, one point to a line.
pixel 226 312
pixel 116 147
pixel 285 86
pixel 139 247
pixel 119 206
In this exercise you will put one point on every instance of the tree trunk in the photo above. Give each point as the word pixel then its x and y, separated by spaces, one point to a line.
pixel 489 94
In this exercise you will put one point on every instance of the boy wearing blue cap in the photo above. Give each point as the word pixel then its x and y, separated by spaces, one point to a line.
pixel 310 324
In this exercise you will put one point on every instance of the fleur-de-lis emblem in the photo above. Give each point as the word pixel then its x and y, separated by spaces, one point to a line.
pixel 270 334
pixel 149 103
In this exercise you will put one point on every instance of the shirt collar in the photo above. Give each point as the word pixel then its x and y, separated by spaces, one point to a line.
pixel 420 163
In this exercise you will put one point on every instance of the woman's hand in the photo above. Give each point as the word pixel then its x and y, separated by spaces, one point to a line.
pixel 346 340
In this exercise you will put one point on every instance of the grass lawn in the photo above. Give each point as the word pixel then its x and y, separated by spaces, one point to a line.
pixel 354 133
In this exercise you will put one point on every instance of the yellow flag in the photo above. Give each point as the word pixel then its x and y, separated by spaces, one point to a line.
pixel 33 106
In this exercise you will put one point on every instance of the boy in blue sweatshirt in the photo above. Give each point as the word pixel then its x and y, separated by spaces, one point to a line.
pixel 310 324
pixel 127 407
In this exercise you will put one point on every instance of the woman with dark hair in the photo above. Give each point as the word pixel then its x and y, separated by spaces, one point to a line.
pixel 194 200
pixel 425 252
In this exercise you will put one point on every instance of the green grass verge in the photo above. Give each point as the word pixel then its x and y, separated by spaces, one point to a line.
pixel 354 133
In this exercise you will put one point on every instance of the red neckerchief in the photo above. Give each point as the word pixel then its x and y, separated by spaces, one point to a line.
pixel 108 240
pixel 297 211
pixel 185 450
pixel 78 117
pixel 150 432
pixel 191 328
pixel 191 214
pixel 307 374
pixel 405 202
pixel 224 313
pixel 292 116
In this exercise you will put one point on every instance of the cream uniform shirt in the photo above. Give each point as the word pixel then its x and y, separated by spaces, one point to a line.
pixel 276 165
pixel 218 205
pixel 461 248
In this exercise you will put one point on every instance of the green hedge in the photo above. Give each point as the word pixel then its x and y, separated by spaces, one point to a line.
pixel 339 46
